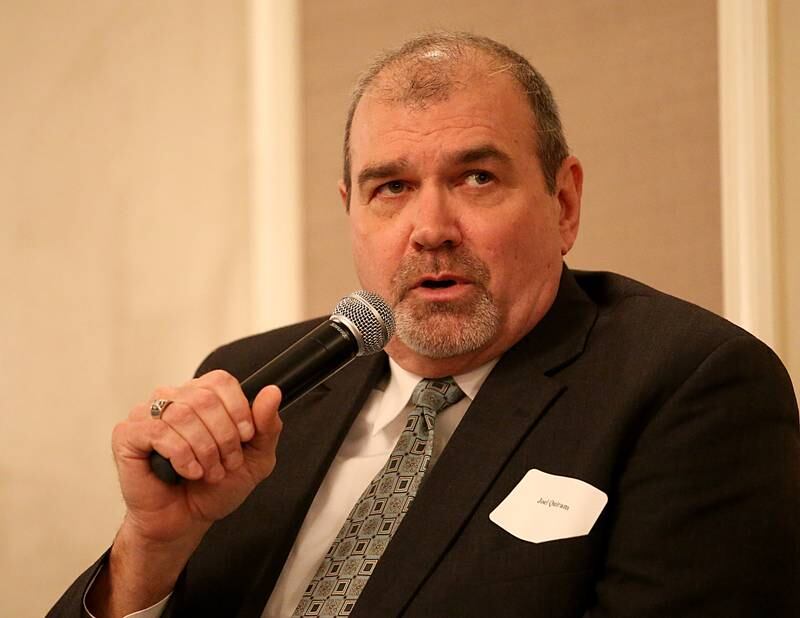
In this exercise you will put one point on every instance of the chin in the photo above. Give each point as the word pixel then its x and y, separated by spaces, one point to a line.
pixel 445 330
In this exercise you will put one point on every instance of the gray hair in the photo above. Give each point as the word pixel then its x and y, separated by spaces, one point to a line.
pixel 422 80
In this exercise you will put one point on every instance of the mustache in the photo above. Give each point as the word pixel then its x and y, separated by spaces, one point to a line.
pixel 458 261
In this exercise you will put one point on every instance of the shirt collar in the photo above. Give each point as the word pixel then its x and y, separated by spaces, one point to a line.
pixel 397 391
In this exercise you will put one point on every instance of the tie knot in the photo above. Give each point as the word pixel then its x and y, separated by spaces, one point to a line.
pixel 435 394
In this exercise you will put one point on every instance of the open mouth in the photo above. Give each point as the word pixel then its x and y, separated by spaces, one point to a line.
pixel 437 284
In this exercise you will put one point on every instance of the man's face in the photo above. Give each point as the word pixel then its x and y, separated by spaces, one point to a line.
pixel 452 223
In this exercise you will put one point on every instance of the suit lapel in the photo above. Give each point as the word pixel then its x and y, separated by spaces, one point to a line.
pixel 516 394
pixel 314 428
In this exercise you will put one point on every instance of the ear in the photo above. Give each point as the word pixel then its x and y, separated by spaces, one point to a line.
pixel 343 195
pixel 569 188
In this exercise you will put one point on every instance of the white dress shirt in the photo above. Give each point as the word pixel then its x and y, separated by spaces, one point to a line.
pixel 363 453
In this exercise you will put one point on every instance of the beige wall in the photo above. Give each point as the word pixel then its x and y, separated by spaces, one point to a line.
pixel 786 84
pixel 637 84
pixel 123 254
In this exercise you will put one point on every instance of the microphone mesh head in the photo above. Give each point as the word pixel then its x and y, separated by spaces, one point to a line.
pixel 371 316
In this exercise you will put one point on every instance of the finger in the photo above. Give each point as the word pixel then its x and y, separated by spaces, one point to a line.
pixel 197 411
pixel 260 451
pixel 200 416
pixel 179 428
pixel 230 392
pixel 142 412
pixel 210 407
pixel 135 440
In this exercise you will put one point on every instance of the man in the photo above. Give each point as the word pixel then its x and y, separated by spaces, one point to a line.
pixel 618 452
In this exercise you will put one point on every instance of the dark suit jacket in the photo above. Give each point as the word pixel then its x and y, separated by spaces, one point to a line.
pixel 688 423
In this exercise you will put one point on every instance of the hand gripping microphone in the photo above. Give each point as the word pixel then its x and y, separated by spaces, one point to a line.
pixel 361 324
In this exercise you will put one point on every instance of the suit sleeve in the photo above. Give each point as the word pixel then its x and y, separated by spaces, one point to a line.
pixel 707 511
pixel 70 605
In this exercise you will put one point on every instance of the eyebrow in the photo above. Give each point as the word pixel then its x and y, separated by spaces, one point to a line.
pixel 379 171
pixel 388 169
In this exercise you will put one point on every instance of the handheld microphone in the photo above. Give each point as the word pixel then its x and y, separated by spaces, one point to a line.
pixel 361 324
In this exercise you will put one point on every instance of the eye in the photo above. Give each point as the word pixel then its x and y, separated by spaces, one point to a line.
pixel 393 187
pixel 478 178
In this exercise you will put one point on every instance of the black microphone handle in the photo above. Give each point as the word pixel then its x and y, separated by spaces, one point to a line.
pixel 296 370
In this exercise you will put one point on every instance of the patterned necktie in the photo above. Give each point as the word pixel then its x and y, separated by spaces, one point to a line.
pixel 377 514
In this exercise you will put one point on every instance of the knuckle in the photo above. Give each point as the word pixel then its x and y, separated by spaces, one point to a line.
pixel 182 455
pixel 207 450
pixel 160 392
pixel 219 377
pixel 204 400
pixel 179 413
pixel 228 440
pixel 238 410
pixel 273 424
pixel 118 432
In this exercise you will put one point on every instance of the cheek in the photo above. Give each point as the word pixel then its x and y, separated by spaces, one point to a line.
pixel 374 260
pixel 519 261
pixel 361 251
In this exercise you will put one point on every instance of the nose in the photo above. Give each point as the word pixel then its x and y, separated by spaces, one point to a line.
pixel 436 222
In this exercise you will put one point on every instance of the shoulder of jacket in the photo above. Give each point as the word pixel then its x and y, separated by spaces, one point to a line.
pixel 243 356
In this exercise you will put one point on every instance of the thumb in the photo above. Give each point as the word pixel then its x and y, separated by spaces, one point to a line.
pixel 261 448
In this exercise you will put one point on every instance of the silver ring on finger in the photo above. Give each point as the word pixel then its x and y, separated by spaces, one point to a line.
pixel 157 408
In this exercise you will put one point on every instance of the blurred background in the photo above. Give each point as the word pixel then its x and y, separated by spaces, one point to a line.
pixel 168 183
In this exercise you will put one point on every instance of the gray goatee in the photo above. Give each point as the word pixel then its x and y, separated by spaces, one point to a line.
pixel 444 329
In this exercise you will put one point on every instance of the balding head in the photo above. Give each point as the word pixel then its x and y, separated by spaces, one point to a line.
pixel 426 70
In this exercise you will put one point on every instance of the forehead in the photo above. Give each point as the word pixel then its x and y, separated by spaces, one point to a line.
pixel 481 108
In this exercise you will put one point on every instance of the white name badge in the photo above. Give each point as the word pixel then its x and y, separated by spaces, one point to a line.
pixel 546 507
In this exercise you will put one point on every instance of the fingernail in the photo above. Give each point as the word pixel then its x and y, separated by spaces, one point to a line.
pixel 245 430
